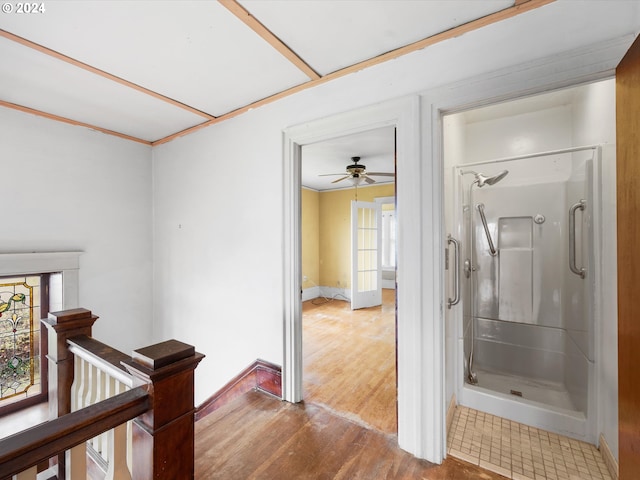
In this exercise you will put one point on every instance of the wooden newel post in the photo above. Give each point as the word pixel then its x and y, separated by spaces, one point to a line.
pixel 163 437
pixel 60 327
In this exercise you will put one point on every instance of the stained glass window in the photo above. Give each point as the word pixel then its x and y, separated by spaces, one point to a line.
pixel 19 337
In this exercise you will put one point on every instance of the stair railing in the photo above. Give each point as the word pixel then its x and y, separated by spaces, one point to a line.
pixel 99 400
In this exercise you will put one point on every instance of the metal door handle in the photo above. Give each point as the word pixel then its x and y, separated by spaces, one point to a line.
pixel 581 205
pixel 456 271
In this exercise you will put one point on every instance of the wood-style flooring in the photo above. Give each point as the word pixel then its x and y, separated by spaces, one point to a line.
pixel 259 437
pixel 350 360
pixel 345 428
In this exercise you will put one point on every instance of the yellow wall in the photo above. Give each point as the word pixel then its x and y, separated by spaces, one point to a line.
pixel 310 238
pixel 334 232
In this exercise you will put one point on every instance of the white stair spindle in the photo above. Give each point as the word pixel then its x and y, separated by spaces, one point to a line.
pixel 77 463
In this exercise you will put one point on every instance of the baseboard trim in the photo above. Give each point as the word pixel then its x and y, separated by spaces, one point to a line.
pixel 609 460
pixel 310 293
pixel 260 375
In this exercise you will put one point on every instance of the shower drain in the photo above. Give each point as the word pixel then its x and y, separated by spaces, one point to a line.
pixel 516 392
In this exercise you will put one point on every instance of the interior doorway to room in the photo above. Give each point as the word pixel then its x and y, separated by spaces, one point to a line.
pixel 349 348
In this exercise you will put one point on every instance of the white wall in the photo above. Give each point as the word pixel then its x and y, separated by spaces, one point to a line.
pixel 218 248
pixel 69 188
pixel 518 134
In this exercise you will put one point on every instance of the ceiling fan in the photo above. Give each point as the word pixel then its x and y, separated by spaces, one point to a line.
pixel 357 173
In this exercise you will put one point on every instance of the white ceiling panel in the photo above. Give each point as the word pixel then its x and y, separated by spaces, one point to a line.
pixel 376 149
pixel 107 63
pixel 334 34
pixel 195 52
pixel 38 81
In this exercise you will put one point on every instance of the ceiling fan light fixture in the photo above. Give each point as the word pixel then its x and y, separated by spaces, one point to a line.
pixel 356 179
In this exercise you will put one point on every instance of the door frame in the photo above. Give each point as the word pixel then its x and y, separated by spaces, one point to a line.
pixel 403 114
pixel 580 66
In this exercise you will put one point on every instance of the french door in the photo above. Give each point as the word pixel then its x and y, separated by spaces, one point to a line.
pixel 366 255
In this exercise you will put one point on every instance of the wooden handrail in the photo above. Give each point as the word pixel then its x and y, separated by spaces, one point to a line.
pixel 160 405
pixel 30 447
pixel 104 357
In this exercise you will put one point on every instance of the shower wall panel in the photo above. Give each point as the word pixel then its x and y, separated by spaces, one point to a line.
pixel 531 351
pixel 538 267
pixel 576 374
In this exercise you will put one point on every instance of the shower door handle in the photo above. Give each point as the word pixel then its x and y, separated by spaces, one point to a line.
pixel 581 205
pixel 456 271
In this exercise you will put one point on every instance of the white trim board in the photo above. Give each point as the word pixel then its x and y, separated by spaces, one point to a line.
pixel 68 263
pixel 404 115
pixel 326 292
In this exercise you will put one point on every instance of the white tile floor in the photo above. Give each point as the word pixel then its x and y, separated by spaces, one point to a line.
pixel 521 452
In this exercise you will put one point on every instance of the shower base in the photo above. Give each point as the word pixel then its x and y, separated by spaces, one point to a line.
pixel 542 404
pixel 548 393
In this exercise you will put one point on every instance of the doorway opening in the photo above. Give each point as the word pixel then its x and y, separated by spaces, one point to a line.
pixel 528 185
pixel 348 319
pixel 416 422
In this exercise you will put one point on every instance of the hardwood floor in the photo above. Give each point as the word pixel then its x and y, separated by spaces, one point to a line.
pixel 350 360
pixel 345 429
pixel 259 437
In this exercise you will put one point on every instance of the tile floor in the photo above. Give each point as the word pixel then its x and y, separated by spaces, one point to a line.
pixel 521 452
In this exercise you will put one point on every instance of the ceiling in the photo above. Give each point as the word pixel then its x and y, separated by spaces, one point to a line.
pixel 153 70
pixel 375 148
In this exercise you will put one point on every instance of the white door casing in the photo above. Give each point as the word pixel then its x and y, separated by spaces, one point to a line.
pixel 414 418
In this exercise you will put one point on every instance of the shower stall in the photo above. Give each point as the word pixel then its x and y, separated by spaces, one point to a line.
pixel 526 236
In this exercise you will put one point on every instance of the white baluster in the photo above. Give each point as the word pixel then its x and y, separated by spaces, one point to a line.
pixel 118 468
pixel 107 447
pixel 77 462
pixel 100 440
pixel 77 382
pixel 93 385
pixel 92 395
pixel 83 391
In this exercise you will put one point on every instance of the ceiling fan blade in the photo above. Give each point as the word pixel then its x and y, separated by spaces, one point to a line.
pixel 340 179
pixel 329 174
pixel 368 180
pixel 382 174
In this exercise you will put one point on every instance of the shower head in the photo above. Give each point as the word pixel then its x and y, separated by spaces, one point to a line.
pixel 491 180
pixel 483 180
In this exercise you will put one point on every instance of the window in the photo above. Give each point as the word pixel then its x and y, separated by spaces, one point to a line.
pixel 21 359
pixel 27 293
pixel 388 239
